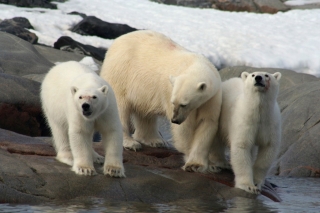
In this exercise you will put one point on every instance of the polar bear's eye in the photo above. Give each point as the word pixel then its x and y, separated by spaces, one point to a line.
pixel 80 97
pixel 252 75
pixel 94 97
pixel 183 105
pixel 266 76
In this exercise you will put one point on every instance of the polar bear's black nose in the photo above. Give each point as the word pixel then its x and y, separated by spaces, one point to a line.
pixel 258 78
pixel 85 107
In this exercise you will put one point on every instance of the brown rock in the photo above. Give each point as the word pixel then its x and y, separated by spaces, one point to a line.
pixel 236 5
pixel 270 6
pixel 20 109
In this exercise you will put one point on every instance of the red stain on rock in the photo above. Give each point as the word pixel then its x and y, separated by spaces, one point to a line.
pixel 20 118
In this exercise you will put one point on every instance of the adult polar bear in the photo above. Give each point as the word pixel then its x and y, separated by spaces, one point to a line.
pixel 153 76
pixel 250 119
pixel 76 101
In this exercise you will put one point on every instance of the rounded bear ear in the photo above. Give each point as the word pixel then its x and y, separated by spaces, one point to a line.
pixel 277 76
pixel 202 86
pixel 172 79
pixel 244 75
pixel 104 89
pixel 74 90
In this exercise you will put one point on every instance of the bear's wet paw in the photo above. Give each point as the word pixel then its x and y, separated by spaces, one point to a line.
pixel 83 170
pixel 132 145
pixel 114 171
pixel 194 168
pixel 250 188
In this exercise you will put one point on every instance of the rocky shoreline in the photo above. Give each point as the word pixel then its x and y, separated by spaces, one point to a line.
pixel 30 174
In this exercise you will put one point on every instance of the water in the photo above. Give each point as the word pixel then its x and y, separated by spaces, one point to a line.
pixel 298 194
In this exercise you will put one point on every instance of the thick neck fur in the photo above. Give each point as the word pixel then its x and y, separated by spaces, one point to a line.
pixel 260 103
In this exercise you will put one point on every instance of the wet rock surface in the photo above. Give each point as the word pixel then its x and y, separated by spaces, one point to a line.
pixel 29 173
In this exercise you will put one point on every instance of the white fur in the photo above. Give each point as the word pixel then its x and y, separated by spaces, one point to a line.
pixel 153 76
pixel 250 119
pixel 64 90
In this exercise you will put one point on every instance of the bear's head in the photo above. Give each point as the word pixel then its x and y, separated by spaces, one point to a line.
pixel 187 95
pixel 90 102
pixel 262 81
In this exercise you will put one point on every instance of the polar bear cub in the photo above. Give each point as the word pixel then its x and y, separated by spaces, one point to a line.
pixel 250 119
pixel 153 76
pixel 76 102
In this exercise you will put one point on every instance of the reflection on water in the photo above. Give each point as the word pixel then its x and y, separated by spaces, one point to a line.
pixel 299 195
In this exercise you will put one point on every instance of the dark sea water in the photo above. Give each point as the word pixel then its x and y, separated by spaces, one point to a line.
pixel 298 195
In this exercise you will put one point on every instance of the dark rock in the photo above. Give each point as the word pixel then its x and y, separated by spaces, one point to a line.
pixel 77 13
pixel 299 104
pixel 20 109
pixel 17 21
pixel 92 25
pixel 68 44
pixel 16 26
pixel 20 58
pixel 30 3
pixel 29 173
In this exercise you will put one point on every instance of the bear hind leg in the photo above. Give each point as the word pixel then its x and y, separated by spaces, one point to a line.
pixel 217 160
pixel 128 141
pixel 146 131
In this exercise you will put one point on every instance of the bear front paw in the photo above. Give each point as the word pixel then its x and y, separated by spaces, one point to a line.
pixel 194 168
pixel 114 171
pixel 132 145
pixel 156 142
pixel 249 188
pixel 81 170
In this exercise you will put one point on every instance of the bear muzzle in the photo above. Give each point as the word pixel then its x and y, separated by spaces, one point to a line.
pixel 259 81
pixel 86 109
pixel 176 121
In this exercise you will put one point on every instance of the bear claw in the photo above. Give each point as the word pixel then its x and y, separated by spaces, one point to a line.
pixel 114 171
pixel 87 171
pixel 193 168
pixel 251 189
pixel 132 145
